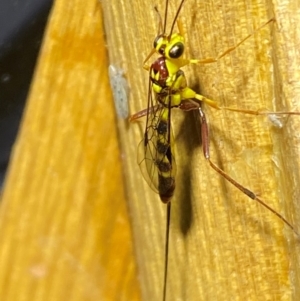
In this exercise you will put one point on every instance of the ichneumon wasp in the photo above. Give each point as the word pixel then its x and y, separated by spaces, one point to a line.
pixel 168 89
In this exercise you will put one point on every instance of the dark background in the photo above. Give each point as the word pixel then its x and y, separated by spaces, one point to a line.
pixel 22 25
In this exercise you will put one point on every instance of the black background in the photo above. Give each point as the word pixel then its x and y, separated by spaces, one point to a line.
pixel 22 25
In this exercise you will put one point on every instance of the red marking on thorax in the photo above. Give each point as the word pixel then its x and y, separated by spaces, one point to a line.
pixel 159 66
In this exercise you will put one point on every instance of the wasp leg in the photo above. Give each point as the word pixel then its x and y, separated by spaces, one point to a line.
pixel 246 191
pixel 258 112
pixel 142 113
pixel 215 59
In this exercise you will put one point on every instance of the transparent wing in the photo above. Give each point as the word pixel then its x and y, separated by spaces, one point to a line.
pixel 155 151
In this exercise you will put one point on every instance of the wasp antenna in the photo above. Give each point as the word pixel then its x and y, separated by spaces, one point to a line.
pixel 160 28
pixel 176 16
pixel 165 19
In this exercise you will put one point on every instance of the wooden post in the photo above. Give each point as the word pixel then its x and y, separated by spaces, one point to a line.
pixel 223 245
pixel 65 232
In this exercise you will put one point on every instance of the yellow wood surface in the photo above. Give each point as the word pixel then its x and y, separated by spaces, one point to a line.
pixel 223 245
pixel 64 228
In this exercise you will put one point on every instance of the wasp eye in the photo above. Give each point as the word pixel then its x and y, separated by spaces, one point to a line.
pixel 176 51
pixel 157 40
pixel 161 50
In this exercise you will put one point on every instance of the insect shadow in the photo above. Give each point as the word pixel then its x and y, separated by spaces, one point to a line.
pixel 193 143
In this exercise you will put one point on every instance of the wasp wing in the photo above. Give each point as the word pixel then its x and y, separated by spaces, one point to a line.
pixel 155 153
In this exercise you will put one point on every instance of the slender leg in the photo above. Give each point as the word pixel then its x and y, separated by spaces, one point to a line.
pixel 215 59
pixel 246 191
pixel 193 104
pixel 258 112
pixel 142 113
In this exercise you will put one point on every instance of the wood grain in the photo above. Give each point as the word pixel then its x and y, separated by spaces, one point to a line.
pixel 223 245
pixel 65 232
